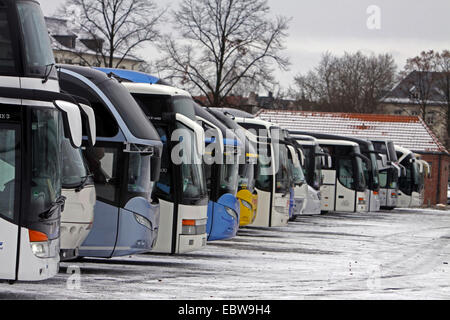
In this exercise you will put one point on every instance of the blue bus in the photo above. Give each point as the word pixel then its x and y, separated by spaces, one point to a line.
pixel 221 162
pixel 125 163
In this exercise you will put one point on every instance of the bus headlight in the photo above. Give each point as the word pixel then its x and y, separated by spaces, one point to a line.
pixel 246 204
pixel 193 227
pixel 143 221
pixel 40 249
pixel 231 212
pixel 41 246
pixel 280 209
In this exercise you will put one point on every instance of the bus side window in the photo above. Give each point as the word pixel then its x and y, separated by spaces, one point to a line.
pixel 7 64
pixel 345 172
pixel 103 164
pixel 163 187
pixel 8 149
pixel 106 125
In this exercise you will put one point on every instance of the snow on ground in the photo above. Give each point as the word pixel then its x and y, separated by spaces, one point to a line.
pixel 402 254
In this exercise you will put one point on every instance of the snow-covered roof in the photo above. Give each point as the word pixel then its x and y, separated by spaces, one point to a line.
pixel 405 131
pixel 428 81
pixel 58 27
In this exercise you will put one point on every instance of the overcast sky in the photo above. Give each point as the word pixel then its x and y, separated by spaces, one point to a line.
pixel 406 28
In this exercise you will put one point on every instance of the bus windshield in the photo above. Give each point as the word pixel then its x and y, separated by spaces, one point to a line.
pixel 263 175
pixel 139 177
pixel 7 59
pixel 406 182
pixel 375 174
pixel 296 172
pixel 362 181
pixel 74 168
pixel 228 181
pixel 192 177
pixel 282 175
pixel 46 158
pixel 417 177
pixel 38 53
pixel 9 152
pixel 193 185
pixel 393 178
pixel 247 176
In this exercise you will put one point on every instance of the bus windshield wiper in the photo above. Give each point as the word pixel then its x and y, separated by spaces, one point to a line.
pixel 58 203
pixel 83 183
pixel 47 74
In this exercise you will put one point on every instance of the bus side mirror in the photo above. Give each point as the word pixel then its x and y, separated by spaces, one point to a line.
pixel 365 159
pixel 73 127
pixel 384 161
pixel 198 131
pixel 89 116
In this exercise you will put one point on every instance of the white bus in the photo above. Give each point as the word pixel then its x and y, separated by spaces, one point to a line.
pixel 389 172
pixel 273 180
pixel 409 184
pixel 34 119
pixel 181 188
pixel 312 163
pixel 344 185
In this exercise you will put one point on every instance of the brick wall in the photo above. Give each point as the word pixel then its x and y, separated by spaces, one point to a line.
pixel 432 190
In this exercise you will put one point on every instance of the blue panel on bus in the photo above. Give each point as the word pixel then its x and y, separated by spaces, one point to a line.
pixel 221 225
pixel 102 238
pixel 291 202
pixel 133 76
pixel 137 236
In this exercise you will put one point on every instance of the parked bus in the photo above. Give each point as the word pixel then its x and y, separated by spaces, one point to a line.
pixel 424 173
pixel 389 172
pixel 183 207
pixel 181 188
pixel 78 189
pixel 35 119
pixel 221 163
pixel 249 170
pixel 125 163
pixel 371 173
pixel 409 184
pixel 299 190
pixel 344 185
pixel 273 181
pixel 313 161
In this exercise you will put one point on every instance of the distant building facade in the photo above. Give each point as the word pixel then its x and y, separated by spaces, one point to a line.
pixel 71 47
pixel 418 91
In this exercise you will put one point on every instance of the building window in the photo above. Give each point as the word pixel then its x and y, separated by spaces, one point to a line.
pixel 430 118
pixel 398 112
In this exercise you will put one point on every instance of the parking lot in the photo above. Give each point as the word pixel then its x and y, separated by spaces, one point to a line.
pixel 403 254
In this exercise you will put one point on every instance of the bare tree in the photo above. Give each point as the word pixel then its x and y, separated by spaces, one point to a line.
pixel 351 83
pixel 443 84
pixel 224 43
pixel 420 78
pixel 123 25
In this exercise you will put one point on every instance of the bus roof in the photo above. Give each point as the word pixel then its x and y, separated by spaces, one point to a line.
pixel 157 89
pixel 337 142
